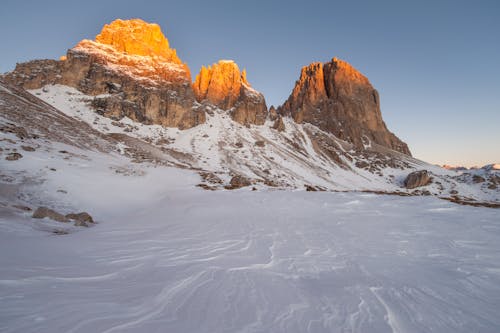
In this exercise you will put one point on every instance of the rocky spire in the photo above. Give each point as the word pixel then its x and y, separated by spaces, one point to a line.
pixel 224 86
pixel 339 99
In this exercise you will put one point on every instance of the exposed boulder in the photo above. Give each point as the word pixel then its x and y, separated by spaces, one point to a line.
pixel 478 179
pixel 238 181
pixel 418 179
pixel 27 148
pixel 260 143
pixel 13 156
pixel 338 99
pixel 224 86
pixel 44 212
pixel 81 219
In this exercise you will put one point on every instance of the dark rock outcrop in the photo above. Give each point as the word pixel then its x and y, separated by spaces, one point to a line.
pixel 338 99
pixel 279 125
pixel 238 181
pixel 417 179
pixel 13 156
pixel 81 219
pixel 224 86
pixel 44 212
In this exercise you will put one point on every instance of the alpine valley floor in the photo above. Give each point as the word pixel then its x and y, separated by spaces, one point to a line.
pixel 169 257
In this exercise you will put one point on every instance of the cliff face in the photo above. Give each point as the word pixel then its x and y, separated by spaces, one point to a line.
pixel 133 72
pixel 338 99
pixel 131 63
pixel 224 86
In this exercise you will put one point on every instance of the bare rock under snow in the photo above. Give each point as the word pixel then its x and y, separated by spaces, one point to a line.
pixel 81 219
pixel 238 181
pixel 417 179
pixel 44 212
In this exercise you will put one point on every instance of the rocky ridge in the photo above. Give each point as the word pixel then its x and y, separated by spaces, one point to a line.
pixel 340 100
pixel 132 72
pixel 129 68
pixel 58 120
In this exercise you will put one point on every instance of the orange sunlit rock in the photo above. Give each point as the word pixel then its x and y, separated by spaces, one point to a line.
pixel 224 86
pixel 220 83
pixel 339 99
pixel 137 37
pixel 139 49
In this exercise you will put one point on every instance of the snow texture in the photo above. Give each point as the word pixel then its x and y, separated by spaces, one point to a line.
pixel 166 257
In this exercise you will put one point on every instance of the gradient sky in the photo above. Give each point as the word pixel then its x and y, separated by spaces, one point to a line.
pixel 436 64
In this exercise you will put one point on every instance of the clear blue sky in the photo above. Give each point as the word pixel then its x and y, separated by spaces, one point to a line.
pixel 436 64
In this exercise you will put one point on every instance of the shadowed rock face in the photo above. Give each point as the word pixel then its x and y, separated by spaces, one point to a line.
pixel 224 86
pixel 338 99
pixel 131 63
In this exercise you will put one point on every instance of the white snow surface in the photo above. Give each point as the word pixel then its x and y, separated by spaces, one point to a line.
pixel 168 257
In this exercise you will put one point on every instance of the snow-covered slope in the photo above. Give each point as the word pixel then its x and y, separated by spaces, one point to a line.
pixel 168 257
pixel 302 155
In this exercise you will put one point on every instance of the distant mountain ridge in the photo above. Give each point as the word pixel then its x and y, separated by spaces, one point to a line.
pixel 130 86
pixel 129 55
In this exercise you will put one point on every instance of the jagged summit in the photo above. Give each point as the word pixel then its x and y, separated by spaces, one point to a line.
pixel 225 86
pixel 339 99
pixel 137 37
pixel 135 73
pixel 220 83
pixel 137 48
pixel 131 70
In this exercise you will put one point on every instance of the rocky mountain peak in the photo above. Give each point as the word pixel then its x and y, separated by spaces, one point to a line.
pixel 220 83
pixel 131 70
pixel 137 37
pixel 136 48
pixel 225 86
pixel 338 99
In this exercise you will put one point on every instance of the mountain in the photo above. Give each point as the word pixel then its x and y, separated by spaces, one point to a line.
pixel 224 86
pixel 131 70
pixel 340 100
pixel 130 86
pixel 134 200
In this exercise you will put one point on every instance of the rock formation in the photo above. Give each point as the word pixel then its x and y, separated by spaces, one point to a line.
pixel 132 71
pixel 338 99
pixel 417 179
pixel 224 86
pixel 131 63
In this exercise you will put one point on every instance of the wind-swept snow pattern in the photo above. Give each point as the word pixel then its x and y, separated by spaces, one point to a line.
pixel 243 261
